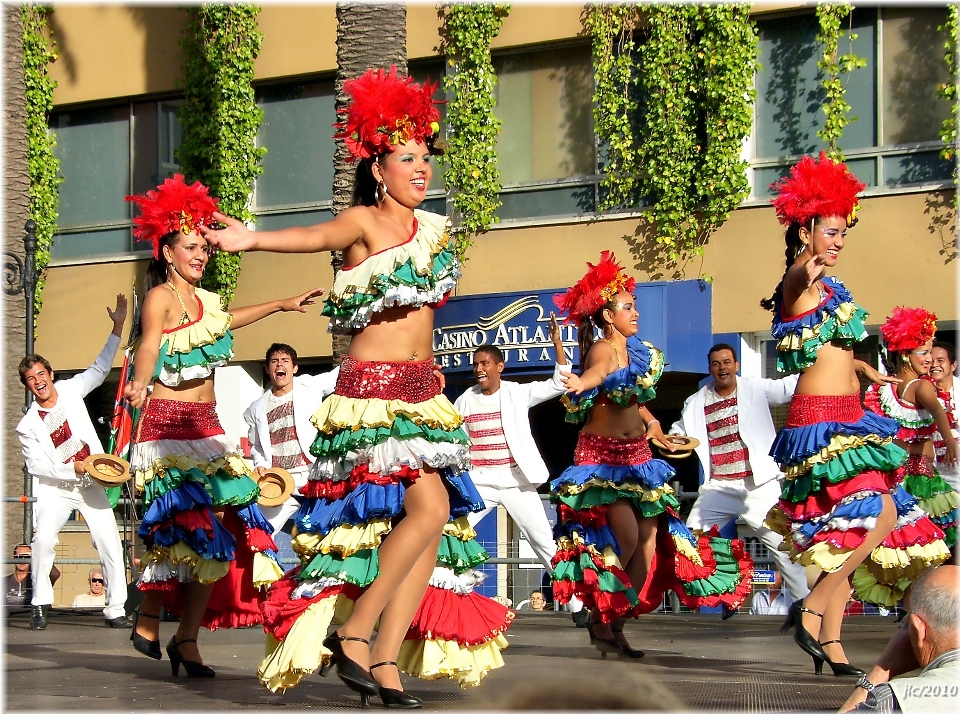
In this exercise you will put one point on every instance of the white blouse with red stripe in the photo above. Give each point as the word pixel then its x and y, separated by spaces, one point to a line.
pixel 729 457
pixel 485 429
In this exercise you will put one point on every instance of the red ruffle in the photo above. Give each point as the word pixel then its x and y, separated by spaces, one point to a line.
pixel 825 500
pixel 279 610
pixel 610 606
pixel 468 619
pixel 921 532
pixel 336 490
pixel 849 539
pixel 594 517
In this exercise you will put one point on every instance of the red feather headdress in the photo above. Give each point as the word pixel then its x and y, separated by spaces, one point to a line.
pixel 387 110
pixel 817 189
pixel 595 289
pixel 173 207
pixel 908 328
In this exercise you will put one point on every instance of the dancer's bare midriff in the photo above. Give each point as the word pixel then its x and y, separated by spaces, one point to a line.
pixel 832 374
pixel 398 334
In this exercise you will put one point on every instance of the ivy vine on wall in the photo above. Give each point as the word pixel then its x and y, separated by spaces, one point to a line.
pixel 42 164
pixel 948 90
pixel 673 104
pixel 472 127
pixel 833 66
pixel 220 118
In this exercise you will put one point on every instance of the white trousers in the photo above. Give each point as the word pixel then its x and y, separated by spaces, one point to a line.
pixel 526 509
pixel 53 507
pixel 721 500
pixel 279 515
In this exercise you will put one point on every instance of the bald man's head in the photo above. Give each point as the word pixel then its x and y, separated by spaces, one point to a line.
pixel 934 598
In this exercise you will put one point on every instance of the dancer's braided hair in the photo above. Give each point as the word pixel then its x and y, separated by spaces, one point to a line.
pixel 586 328
pixel 794 246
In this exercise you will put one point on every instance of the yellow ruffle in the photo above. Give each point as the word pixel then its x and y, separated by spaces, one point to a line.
pixel 460 529
pixel 231 464
pixel 435 659
pixel 838 444
pixel 792 341
pixel 940 504
pixel 645 493
pixel 777 521
pixel 345 540
pixel 609 555
pixel 265 571
pixel 431 237
pixel 207 330
pixel 301 652
pixel 202 570
pixel 687 549
pixel 909 563
pixel 868 589
pixel 825 556
pixel 338 412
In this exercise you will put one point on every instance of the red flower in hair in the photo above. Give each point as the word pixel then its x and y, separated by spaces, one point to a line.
pixel 173 207
pixel 387 110
pixel 908 328
pixel 595 289
pixel 817 189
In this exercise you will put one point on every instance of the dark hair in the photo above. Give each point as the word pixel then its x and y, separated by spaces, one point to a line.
pixel 365 185
pixel 282 348
pixel 18 546
pixel 793 249
pixel 27 363
pixel 585 331
pixel 949 348
pixel 491 350
pixel 720 347
pixel 157 269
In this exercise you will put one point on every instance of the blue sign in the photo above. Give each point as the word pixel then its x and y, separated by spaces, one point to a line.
pixel 674 316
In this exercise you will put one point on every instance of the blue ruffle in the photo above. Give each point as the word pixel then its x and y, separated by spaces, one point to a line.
pixel 221 546
pixel 650 474
pixel 254 518
pixel 366 502
pixel 187 495
pixel 464 497
pixel 678 529
pixel 639 358
pixel 795 444
pixel 868 507
pixel 903 501
pixel 599 538
pixel 795 325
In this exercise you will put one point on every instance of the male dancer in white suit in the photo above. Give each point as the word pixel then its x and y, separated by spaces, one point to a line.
pixel 280 431
pixel 506 466
pixel 56 435
pixel 731 418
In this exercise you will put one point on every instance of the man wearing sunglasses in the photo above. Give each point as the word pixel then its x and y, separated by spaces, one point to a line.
pixel 95 597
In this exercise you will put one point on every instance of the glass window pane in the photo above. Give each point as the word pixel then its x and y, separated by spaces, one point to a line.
pixel 421 72
pixel 435 205
pixel 861 85
pixel 276 221
pixel 297 132
pixel 115 241
pixel 913 66
pixel 915 168
pixel 169 137
pixel 145 176
pixel 544 101
pixel 564 201
pixel 864 169
pixel 93 147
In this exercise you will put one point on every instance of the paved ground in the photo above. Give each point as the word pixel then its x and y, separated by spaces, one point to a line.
pixel 743 664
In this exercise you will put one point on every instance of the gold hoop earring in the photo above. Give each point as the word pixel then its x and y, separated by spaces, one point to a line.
pixel 381 192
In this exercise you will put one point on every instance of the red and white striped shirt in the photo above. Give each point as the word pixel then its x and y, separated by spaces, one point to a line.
pixel 729 457
pixel 485 429
pixel 285 447
pixel 69 447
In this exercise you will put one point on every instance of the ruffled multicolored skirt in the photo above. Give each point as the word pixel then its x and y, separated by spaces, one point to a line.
pixel 383 424
pixel 838 461
pixel 933 494
pixel 189 473
pixel 703 569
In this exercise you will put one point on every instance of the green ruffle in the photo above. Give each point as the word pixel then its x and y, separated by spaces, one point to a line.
pixel 605 495
pixel 578 413
pixel 842 467
pixel 460 555
pixel 724 579
pixel 573 570
pixel 360 568
pixel 950 536
pixel 403 427
pixel 223 488
pixel 831 330
pixel 220 350
pixel 924 487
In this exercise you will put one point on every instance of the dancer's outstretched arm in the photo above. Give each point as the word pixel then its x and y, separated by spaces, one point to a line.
pixel 339 234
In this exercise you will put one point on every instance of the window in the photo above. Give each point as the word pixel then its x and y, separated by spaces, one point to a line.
pixel 546 149
pixel 895 140
pixel 107 153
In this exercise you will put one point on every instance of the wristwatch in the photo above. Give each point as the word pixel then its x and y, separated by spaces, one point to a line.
pixel 865 683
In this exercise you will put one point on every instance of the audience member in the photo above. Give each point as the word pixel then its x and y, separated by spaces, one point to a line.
pixel 95 596
pixel 774 600
pixel 636 691
pixel 537 601
pixel 18 587
pixel 927 640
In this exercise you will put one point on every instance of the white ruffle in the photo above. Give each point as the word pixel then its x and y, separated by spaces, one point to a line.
pixel 158 572
pixel 209 448
pixel 462 584
pixel 400 295
pixel 173 378
pixel 390 456
pixel 311 588
pixel 909 416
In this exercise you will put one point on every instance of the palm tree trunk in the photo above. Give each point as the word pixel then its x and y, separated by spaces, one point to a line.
pixel 16 207
pixel 368 36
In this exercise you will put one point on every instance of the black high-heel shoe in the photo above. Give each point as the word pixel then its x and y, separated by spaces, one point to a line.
pixel 840 669
pixel 352 674
pixel 194 669
pixel 604 646
pixel 625 648
pixel 151 648
pixel 807 642
pixel 791 618
pixel 392 697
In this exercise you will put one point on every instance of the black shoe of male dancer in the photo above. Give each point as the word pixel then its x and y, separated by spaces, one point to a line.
pixel 728 613
pixel 580 618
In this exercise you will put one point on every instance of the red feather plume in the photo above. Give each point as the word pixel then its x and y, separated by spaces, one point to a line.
pixel 908 328
pixel 171 208
pixel 386 110
pixel 595 289
pixel 817 189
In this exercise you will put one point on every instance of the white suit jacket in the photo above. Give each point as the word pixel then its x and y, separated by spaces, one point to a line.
pixel 515 402
pixel 39 453
pixel 755 395
pixel 308 392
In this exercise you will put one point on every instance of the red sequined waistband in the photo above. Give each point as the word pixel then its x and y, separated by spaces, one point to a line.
pixel 919 465
pixel 594 449
pixel 180 421
pixel 806 409
pixel 411 382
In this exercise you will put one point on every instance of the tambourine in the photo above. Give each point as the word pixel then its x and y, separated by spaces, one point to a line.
pixel 276 486
pixel 107 470
pixel 684 446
